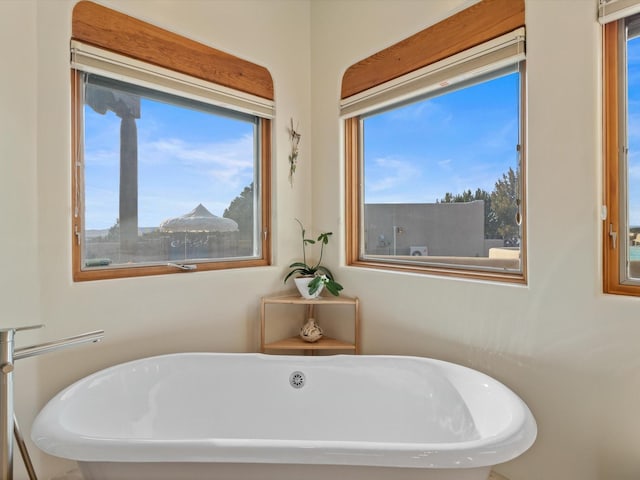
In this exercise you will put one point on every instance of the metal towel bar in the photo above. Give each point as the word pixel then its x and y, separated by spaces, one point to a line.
pixel 8 424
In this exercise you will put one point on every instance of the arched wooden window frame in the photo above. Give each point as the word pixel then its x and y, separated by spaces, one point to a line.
pixel 122 34
pixel 468 28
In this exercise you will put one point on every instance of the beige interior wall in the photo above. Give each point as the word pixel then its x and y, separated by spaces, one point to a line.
pixel 18 195
pixel 568 350
pixel 19 281
pixel 203 311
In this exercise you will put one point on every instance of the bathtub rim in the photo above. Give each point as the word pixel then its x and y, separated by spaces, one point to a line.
pixel 485 451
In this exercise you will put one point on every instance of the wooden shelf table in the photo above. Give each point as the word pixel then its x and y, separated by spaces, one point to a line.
pixel 296 343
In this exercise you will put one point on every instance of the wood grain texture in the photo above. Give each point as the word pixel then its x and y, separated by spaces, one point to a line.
pixel 296 343
pixel 353 186
pixel 265 188
pixel 105 28
pixel 612 164
pixel 475 25
pixel 610 155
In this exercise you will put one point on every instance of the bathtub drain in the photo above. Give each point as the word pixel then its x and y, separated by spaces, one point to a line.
pixel 297 379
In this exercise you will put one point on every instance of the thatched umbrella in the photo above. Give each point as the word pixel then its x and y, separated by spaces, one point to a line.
pixel 199 220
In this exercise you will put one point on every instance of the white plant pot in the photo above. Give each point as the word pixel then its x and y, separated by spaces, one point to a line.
pixel 302 283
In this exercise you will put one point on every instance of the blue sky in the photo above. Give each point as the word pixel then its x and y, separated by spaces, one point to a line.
pixel 185 157
pixel 415 154
pixel 462 140
pixel 633 78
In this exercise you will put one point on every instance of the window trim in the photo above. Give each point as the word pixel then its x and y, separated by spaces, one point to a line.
pixel 614 260
pixel 105 63
pixel 611 265
pixel 477 24
pixel 105 28
pixel 115 31
pixel 493 18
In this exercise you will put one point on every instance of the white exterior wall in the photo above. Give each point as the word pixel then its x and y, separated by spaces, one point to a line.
pixel 570 351
pixel 455 229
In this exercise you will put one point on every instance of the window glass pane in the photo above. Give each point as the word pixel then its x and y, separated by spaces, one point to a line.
pixel 166 179
pixel 633 154
pixel 442 178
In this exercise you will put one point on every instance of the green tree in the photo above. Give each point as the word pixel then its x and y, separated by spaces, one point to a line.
pixel 500 206
pixel 113 235
pixel 505 202
pixel 241 210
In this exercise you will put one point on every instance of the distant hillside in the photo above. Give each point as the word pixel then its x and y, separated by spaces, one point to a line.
pixel 97 233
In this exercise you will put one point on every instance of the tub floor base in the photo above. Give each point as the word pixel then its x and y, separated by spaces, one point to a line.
pixel 268 471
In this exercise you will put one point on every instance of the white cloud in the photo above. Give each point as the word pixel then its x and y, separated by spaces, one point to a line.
pixel 445 164
pixel 175 176
pixel 232 153
pixel 391 173
pixel 431 112
pixel 225 162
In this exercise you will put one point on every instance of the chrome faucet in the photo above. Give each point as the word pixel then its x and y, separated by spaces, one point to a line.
pixel 8 423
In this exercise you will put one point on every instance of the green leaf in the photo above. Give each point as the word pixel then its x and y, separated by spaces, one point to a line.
pixel 324 237
pixel 299 265
pixel 304 269
pixel 295 270
pixel 314 285
pixel 334 288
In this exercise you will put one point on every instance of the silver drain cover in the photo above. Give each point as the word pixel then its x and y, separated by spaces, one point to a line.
pixel 297 379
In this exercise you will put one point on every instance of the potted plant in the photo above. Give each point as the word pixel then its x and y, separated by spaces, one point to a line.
pixel 312 278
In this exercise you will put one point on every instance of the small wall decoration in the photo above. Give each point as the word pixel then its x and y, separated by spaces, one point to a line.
pixel 294 138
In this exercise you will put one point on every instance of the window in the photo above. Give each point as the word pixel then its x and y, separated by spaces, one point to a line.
pixel 435 161
pixel 621 212
pixel 171 171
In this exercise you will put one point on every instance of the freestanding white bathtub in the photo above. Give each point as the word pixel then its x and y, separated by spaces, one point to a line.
pixel 252 416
